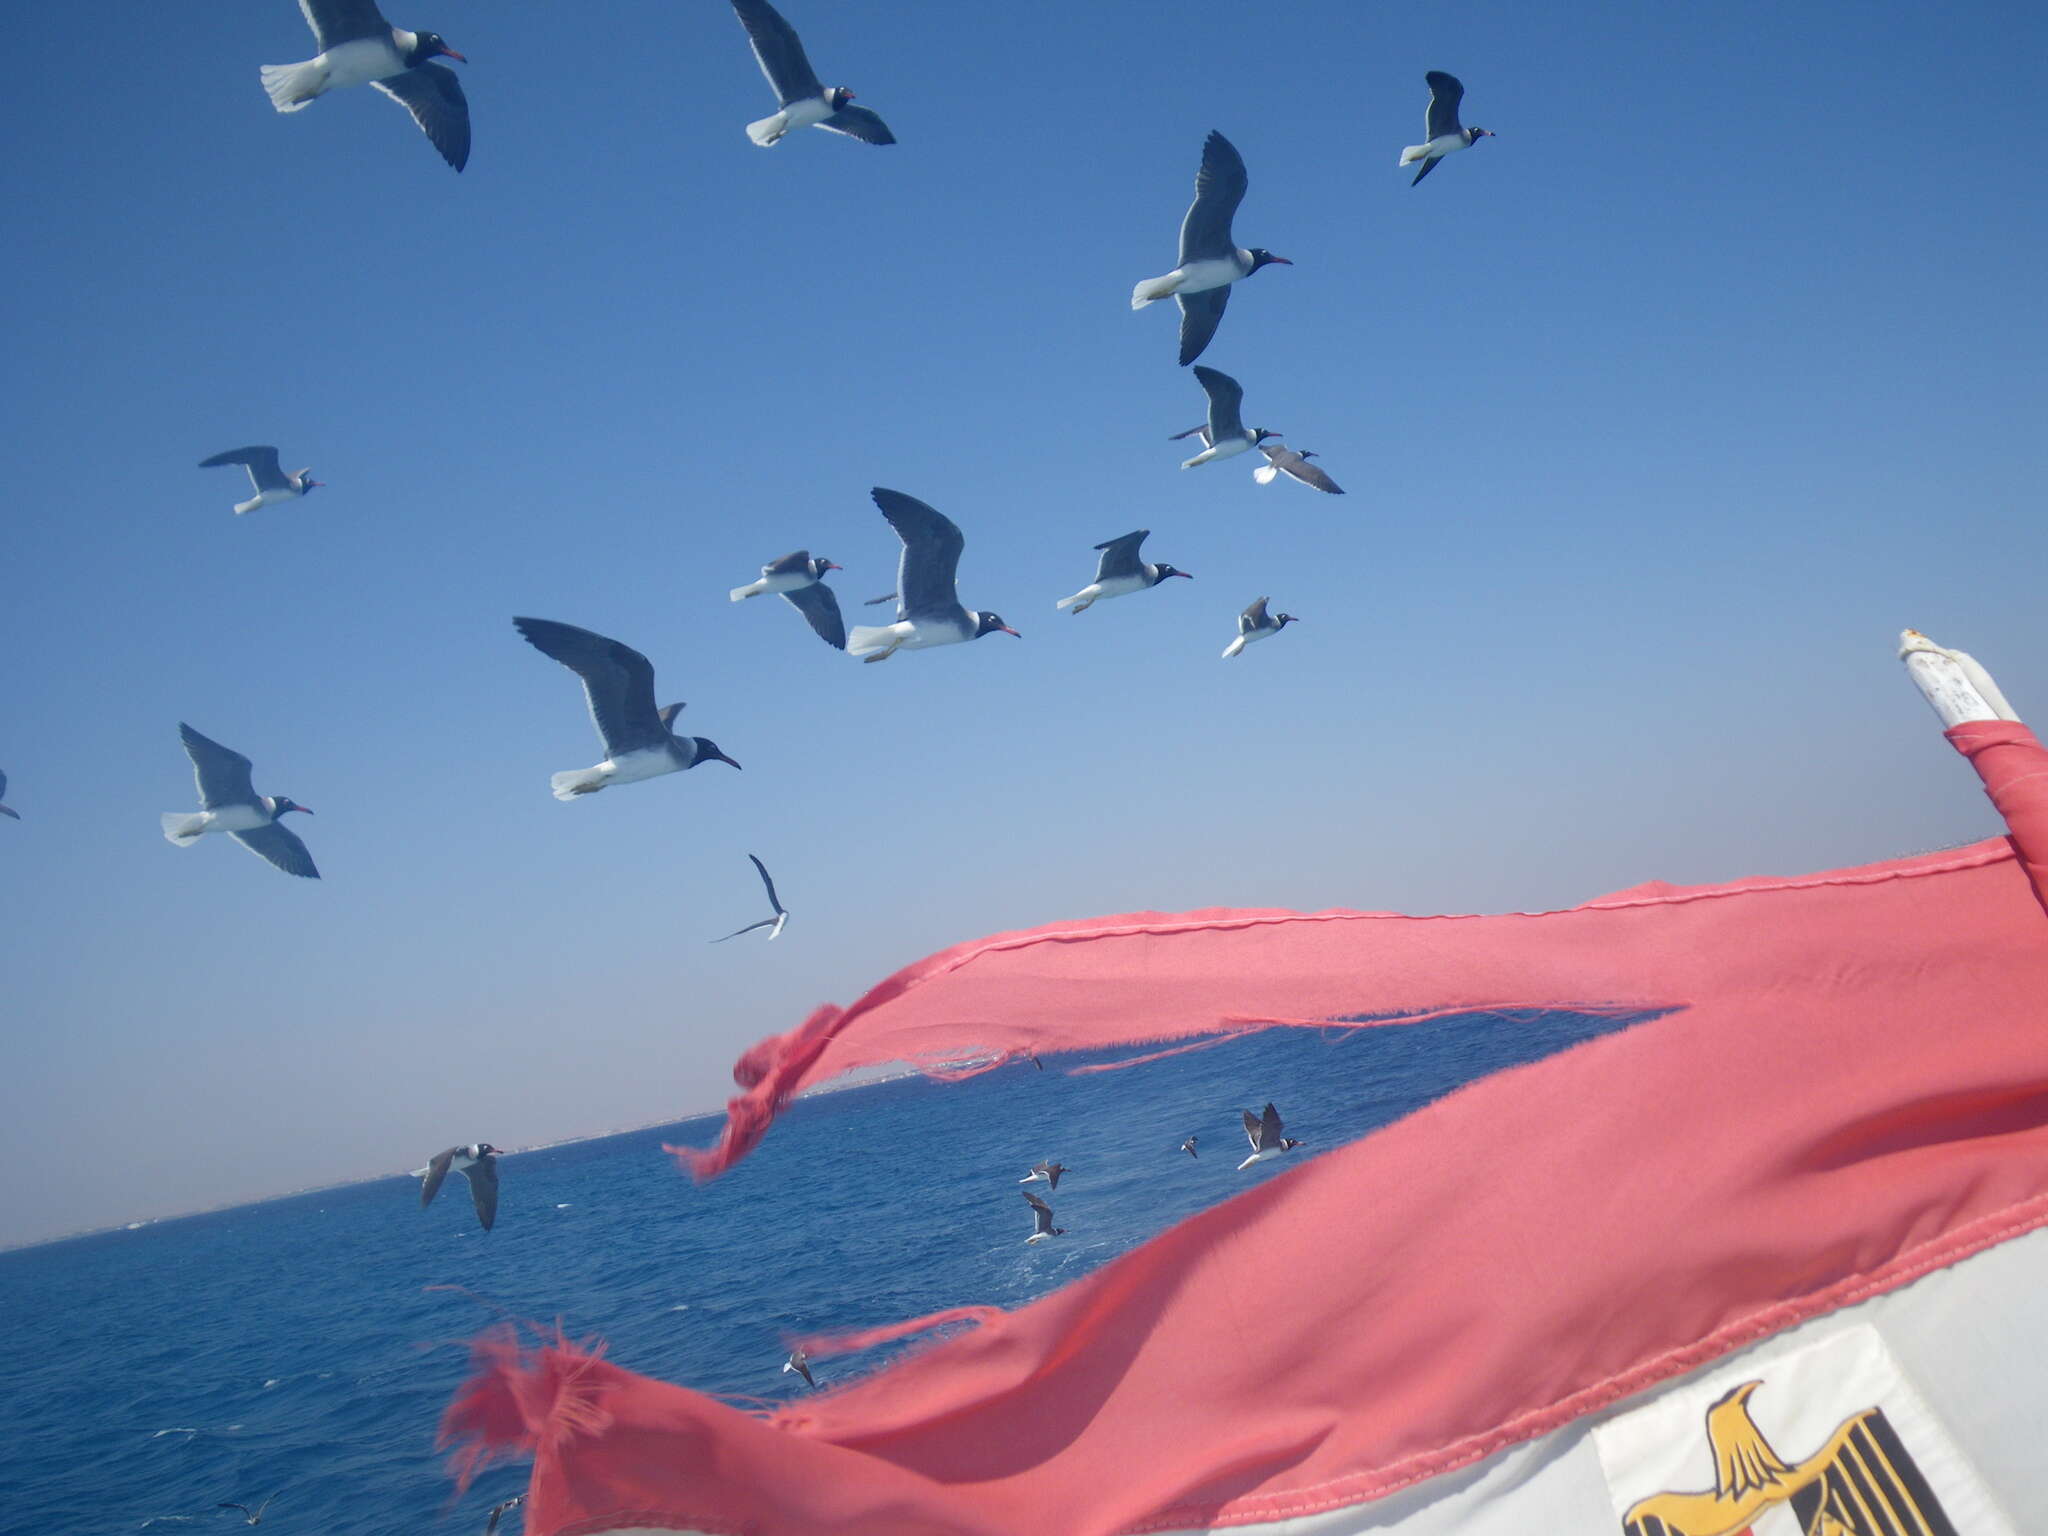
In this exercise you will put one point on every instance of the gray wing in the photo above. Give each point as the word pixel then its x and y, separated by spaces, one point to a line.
pixel 433 95
pixel 859 123
pixel 4 811
pixel 1219 187
pixel 820 609
pixel 498 1512
pixel 778 52
pixel 797 563
pixel 617 680
pixel 437 1170
pixel 1120 556
pixel 1253 618
pixel 1269 1128
pixel 1041 1212
pixel 223 774
pixel 483 1189
pixel 1288 462
pixel 1200 314
pixel 930 566
pixel 1191 431
pixel 1226 395
pixel 773 900
pixel 261 462
pixel 766 922
pixel 886 597
pixel 1444 95
pixel 282 847
pixel 667 715
pixel 1427 166
pixel 341 21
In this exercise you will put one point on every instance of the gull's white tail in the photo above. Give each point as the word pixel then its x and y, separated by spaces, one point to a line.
pixel 248 506
pixel 1233 648
pixel 579 781
pixel 1265 474
pixel 769 129
pixel 1413 153
pixel 1201 458
pixel 291 86
pixel 1080 602
pixel 183 827
pixel 752 589
pixel 1153 289
pixel 869 637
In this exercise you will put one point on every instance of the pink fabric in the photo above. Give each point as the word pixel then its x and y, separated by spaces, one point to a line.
pixel 2012 765
pixel 1853 1090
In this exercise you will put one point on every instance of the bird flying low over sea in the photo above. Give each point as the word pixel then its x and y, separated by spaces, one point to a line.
pixel 1120 572
pixel 1283 460
pixel 272 483
pixel 477 1163
pixel 1210 257
pixel 359 47
pixel 1041 1219
pixel 772 924
pixel 800 581
pixel 1188 1146
pixel 928 609
pixel 1047 1174
pixel 498 1512
pixel 1224 434
pixel 7 810
pixel 640 741
pixel 254 1516
pixel 1264 1132
pixel 229 803
pixel 1255 624
pixel 800 1362
pixel 805 102
pixel 1440 130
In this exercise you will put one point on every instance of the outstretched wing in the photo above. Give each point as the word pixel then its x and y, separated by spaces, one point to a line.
pixel 859 123
pixel 795 563
pixel 820 608
pixel 264 471
pixel 930 565
pixel 1200 314
pixel 773 900
pixel 437 1170
pixel 1269 1128
pixel 433 95
pixel 1219 187
pixel 343 21
pixel 1226 399
pixel 282 847
pixel 1253 618
pixel 618 682
pixel 223 774
pixel 1299 468
pixel 778 52
pixel 1444 95
pixel 483 1189
pixel 1120 556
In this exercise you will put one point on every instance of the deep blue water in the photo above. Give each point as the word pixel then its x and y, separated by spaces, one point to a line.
pixel 293 1348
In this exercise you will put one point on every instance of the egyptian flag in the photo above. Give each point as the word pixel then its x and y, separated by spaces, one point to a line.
pixel 1767 1263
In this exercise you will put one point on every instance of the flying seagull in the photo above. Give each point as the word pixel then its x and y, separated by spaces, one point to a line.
pixel 1047 1174
pixel 272 483
pixel 7 810
pixel 1264 1132
pixel 1255 624
pixel 255 1516
pixel 1188 1147
pixel 800 1362
pixel 498 1512
pixel 772 924
pixel 800 581
pixel 1283 460
pixel 477 1163
pixel 1041 1219
pixel 1440 127
pixel 805 102
pixel 359 47
pixel 1210 258
pixel 1119 572
pixel 929 611
pixel 618 682
pixel 229 803
pixel 1224 435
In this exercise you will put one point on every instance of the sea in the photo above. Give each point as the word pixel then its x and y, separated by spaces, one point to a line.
pixel 301 1350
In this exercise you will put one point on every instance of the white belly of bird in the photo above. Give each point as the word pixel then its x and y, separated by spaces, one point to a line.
pixel 1200 276
pixel 1119 586
pixel 1448 144
pixel 237 818
pixel 359 62
pixel 1271 1152
pixel 1038 1237
pixel 801 114
pixel 263 499
pixel 647 763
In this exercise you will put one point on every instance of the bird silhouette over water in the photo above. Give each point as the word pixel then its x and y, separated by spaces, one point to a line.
pixel 255 1516
pixel 478 1164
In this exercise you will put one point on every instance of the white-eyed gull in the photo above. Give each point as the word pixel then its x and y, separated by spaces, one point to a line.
pixel 1440 129
pixel 229 803
pixel 1210 257
pixel 359 47
pixel 928 609
pixel 805 102
pixel 1120 571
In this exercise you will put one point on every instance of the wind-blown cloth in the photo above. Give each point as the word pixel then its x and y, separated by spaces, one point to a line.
pixel 1850 1093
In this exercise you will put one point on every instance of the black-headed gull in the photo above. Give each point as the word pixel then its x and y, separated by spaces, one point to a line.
pixel 1210 257
pixel 229 803
pixel 359 47
pixel 1119 572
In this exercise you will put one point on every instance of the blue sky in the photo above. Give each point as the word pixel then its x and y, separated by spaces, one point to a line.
pixel 1660 414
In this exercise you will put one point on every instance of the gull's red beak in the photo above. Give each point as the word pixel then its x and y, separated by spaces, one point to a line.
pixel 451 53
pixel 1009 631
